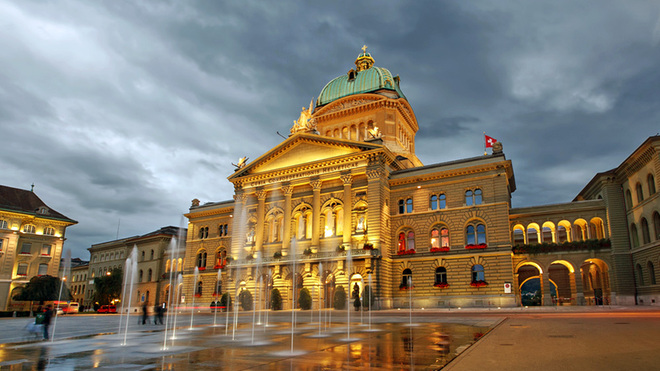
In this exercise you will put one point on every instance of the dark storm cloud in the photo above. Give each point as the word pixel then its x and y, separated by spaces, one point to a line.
pixel 129 110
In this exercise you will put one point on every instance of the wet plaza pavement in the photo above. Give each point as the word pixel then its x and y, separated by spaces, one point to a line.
pixel 389 343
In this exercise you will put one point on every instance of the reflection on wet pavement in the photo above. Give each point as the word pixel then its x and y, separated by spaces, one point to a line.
pixel 393 346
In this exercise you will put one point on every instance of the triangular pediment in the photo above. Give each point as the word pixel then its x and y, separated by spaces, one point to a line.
pixel 303 149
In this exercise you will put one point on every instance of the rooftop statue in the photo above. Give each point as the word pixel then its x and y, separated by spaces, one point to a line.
pixel 241 163
pixel 305 122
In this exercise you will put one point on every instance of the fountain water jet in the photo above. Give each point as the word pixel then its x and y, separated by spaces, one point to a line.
pixel 195 293
pixel 132 270
pixel 65 272
pixel 217 294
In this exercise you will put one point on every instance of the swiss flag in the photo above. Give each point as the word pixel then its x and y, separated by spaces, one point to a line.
pixel 490 141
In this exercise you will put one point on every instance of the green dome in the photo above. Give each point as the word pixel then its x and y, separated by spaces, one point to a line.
pixel 365 81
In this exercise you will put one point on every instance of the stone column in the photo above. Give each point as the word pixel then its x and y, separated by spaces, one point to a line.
pixel 347 179
pixel 374 194
pixel 576 284
pixel 261 206
pixel 286 235
pixel 545 289
pixel 316 212
pixel 238 227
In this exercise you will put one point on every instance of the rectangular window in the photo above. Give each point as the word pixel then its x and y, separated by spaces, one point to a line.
pixel 45 250
pixel 43 270
pixel 26 248
pixel 2 243
pixel 22 269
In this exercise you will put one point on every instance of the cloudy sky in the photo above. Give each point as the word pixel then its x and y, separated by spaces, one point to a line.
pixel 122 112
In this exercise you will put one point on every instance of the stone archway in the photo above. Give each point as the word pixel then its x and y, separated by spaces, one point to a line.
pixel 595 282
pixel 561 275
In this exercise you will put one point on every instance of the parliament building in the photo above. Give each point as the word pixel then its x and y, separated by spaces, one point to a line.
pixel 344 201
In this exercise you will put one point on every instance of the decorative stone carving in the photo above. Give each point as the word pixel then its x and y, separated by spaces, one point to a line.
pixel 195 203
pixel 347 179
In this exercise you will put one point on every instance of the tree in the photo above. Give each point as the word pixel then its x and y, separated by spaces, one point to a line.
pixel 339 301
pixel 43 288
pixel 356 297
pixel 108 288
pixel 275 299
pixel 245 298
pixel 368 297
pixel 305 299
pixel 225 301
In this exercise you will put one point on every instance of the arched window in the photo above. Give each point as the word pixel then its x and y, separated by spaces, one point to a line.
pixel 646 236
pixel 149 275
pixel 167 265
pixel 547 234
pixel 651 272
pixel 532 235
pixel 402 208
pixel 201 259
pixel 518 237
pixel 49 231
pixel 477 197
pixel 402 242
pixel 629 203
pixel 634 235
pixel 433 202
pixel 142 256
pixel 411 241
pixel 198 291
pixel 140 276
pixel 3 224
pixel 406 279
pixel 435 238
pixel 640 275
pixel 409 205
pixel 475 234
pixel 562 236
pixel 651 184
pixel 443 201
pixel 468 198
pixel 444 237
pixel 478 274
pixel 656 224
pixel 640 193
pixel 29 228
pixel 440 276
pixel 152 254
pixel 203 232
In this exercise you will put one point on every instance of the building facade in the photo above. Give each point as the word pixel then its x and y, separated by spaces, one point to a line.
pixel 344 201
pixel 153 264
pixel 31 242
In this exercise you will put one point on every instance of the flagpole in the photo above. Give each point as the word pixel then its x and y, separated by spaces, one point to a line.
pixel 485 152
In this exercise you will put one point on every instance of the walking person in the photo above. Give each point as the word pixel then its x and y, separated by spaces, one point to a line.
pixel 158 318
pixel 145 315
pixel 48 314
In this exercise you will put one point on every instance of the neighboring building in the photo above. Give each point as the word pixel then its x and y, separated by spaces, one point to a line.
pixel 76 279
pixel 31 241
pixel 348 178
pixel 152 253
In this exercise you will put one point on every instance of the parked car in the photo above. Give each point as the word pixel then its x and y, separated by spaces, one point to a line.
pixel 107 309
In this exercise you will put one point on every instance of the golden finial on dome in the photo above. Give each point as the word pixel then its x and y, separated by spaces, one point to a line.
pixel 364 61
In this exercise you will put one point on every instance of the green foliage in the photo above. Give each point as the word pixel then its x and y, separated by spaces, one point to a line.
pixel 339 301
pixel 355 295
pixel 245 298
pixel 107 288
pixel 305 299
pixel 225 301
pixel 541 248
pixel 368 297
pixel 43 288
pixel 275 299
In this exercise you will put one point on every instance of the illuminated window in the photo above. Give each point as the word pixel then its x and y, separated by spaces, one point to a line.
pixel 439 237
pixel 29 228
pixel 411 240
pixel 402 242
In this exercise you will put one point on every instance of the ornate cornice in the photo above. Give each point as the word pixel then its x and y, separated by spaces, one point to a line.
pixel 415 178
pixel 347 179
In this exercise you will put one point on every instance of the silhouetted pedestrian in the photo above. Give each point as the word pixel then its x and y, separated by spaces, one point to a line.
pixel 158 319
pixel 48 314
pixel 145 315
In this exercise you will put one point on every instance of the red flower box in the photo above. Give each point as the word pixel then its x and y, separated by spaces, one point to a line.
pixel 198 295
pixel 406 287
pixel 368 246
pixel 479 246
pixel 218 266
pixel 442 285
pixel 201 268
pixel 406 252
pixel 478 283
pixel 439 249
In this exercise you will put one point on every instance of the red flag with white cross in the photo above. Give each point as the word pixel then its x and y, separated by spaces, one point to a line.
pixel 490 141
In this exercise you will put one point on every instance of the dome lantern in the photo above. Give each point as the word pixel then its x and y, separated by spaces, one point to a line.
pixel 364 61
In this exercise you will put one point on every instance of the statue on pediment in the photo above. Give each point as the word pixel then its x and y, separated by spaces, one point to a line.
pixel 305 122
